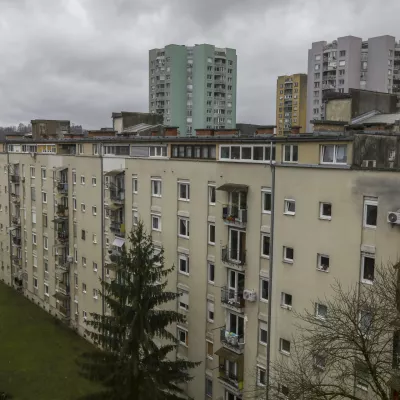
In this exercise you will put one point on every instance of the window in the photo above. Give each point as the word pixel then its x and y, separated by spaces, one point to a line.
pixel 44 220
pixel 211 234
pixel 83 234
pixel 95 294
pixel 76 256
pixel 284 390
pixel 362 379
pixel 80 148
pixel 74 205
pixel 290 153
pixel 317 57
pixel 156 187
pixel 334 154
pixel 266 201
pixel 323 263
pixel 183 264
pixel 342 53
pixel 286 300
pixel 265 245
pixel 82 179
pixel 32 170
pixel 290 207
pixel 320 362
pixel 284 346
pixel 365 322
pixel 45 242
pixel 184 191
pixel 321 311
pixel 210 311
pixel 156 222
pixel 261 376
pixel 264 289
pixel 135 184
pixel 370 213
pixel 94 181
pixel 210 349
pixel 135 217
pixel 94 210
pixel 158 151
pixel 325 211
pixel 211 195
pixel 83 207
pixel 46 290
pixel 94 266
pixel 342 63
pixel 184 300
pixel 74 177
pixel 342 72
pixel 367 268
pixel 84 314
pixel 34 238
pixel 84 287
pixel 95 149
pixel 263 333
pixel 44 197
pixel 43 173
pixel 288 254
pixel 183 227
pixel 84 261
pixel 183 336
pixel 211 272
pixel 316 67
pixel 35 283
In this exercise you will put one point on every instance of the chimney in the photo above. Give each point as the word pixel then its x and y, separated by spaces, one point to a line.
pixel 265 130
pixel 204 132
pixel 171 131
pixel 296 130
pixel 226 132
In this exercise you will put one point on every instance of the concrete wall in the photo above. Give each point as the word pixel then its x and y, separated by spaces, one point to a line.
pixel 338 110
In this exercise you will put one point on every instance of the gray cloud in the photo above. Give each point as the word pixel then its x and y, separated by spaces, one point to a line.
pixel 83 59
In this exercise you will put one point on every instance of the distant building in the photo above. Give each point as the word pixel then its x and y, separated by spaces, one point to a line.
pixel 350 62
pixel 49 128
pixel 193 87
pixel 291 103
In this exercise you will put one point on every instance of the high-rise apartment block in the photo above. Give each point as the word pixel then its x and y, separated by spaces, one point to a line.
pixel 350 62
pixel 193 87
pixel 291 103
pixel 251 238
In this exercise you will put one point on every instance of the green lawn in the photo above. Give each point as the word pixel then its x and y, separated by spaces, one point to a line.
pixel 37 353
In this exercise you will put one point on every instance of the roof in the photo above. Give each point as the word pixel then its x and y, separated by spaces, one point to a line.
pixel 140 128
pixel 228 355
pixel 381 119
pixel 233 187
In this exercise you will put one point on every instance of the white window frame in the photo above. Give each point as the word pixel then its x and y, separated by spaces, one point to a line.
pixel 135 184
pixel 334 161
pixel 158 218
pixel 209 356
pixel 183 257
pixel 84 287
pixel 266 192
pixel 95 266
pixel 43 173
pixel 94 210
pixel 94 238
pixel 262 326
pixel 264 235
pixel 259 369
pixel 95 294
pixel 156 183
pixel 45 242
pixel 212 188
pixel 319 262
pixel 321 210
pixel 210 309
pixel 209 234
pixel 284 303
pixel 291 147
pixel 318 315
pixel 185 185
pixel 74 203
pixel 135 217
pixel 187 227
pixel 281 350
pixel 44 197
pixel 83 180
pixel 184 330
pixel 209 263
pixel 84 261
pixel 285 259
pixel 34 239
pixel 286 210
pixel 46 289
pixel 94 181
pixel 363 257
pixel 35 283
pixel 373 203
pixel 262 280
pixel 83 207
pixel 184 305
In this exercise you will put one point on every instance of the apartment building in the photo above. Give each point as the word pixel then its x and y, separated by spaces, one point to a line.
pixel 291 103
pixel 350 62
pixel 193 87
pixel 254 226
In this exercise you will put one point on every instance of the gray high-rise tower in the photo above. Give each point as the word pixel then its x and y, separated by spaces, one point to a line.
pixel 193 87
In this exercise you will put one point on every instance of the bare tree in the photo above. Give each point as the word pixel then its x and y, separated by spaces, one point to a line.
pixel 350 350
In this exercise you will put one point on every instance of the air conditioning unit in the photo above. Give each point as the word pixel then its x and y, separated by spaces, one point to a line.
pixel 243 215
pixel 369 163
pixel 249 295
pixel 393 217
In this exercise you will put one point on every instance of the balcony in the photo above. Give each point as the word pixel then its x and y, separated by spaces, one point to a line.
pixel 118 228
pixel 16 221
pixel 232 299
pixel 62 211
pixel 15 198
pixel 14 178
pixel 117 196
pixel 63 289
pixel 16 260
pixel 16 241
pixel 62 263
pixel 234 257
pixel 62 236
pixel 62 187
pixel 231 378
pixel 64 311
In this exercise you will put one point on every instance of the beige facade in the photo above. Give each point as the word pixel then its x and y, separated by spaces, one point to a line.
pixel 209 202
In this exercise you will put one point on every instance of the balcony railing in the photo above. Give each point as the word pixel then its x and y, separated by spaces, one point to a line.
pixel 232 297
pixel 15 220
pixel 232 340
pixel 117 196
pixel 233 256
pixel 234 215
pixel 63 310
pixel 16 260
pixel 230 377
pixel 16 241
pixel 62 210
pixel 62 236
pixel 15 178
pixel 63 288
pixel 62 187
pixel 117 228
pixel 15 198
pixel 63 263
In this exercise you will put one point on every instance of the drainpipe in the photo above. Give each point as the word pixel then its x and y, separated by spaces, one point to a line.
pixel 270 273
pixel 102 221
pixel 9 216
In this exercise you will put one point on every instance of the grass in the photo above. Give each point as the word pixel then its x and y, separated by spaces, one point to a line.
pixel 37 353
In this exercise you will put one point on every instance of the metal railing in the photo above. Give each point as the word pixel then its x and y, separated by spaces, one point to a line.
pixel 62 210
pixel 232 297
pixel 233 214
pixel 62 236
pixel 16 241
pixel 117 228
pixel 117 195
pixel 233 256
pixel 62 187
pixel 15 220
pixel 15 178
pixel 231 339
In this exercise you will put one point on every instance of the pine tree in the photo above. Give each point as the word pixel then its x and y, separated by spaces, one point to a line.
pixel 135 338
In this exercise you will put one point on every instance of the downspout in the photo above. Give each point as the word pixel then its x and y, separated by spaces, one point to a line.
pixel 270 272
pixel 102 222
pixel 9 216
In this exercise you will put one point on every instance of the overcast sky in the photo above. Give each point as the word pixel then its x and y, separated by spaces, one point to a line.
pixel 83 59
